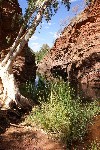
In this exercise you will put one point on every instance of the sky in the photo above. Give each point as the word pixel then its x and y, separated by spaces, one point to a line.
pixel 50 31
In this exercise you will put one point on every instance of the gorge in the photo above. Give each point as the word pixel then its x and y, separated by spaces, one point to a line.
pixel 76 53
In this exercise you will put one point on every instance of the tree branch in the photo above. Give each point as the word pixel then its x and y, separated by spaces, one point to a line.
pixel 17 41
pixel 24 39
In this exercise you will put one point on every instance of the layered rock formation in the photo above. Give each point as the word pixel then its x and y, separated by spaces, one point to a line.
pixel 76 54
pixel 24 66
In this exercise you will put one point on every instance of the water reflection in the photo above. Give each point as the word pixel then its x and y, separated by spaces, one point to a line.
pixel 36 80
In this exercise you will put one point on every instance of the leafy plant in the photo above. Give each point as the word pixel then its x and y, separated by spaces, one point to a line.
pixel 61 115
pixel 95 145
pixel 43 51
pixel 36 91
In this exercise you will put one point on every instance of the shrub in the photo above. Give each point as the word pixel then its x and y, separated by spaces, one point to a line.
pixel 61 115
pixel 95 145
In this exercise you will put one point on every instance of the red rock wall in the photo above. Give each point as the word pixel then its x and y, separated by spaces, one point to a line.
pixel 9 24
pixel 24 66
pixel 77 51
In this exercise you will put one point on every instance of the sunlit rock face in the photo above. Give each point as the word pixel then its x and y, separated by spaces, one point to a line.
pixel 76 54
pixel 10 14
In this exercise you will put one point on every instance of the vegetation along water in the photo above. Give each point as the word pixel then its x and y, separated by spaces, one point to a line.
pixel 59 112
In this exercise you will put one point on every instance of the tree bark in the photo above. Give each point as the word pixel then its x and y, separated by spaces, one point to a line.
pixel 11 93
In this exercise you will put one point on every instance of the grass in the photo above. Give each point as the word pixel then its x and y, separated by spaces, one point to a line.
pixel 58 113
pixel 37 92
pixel 95 145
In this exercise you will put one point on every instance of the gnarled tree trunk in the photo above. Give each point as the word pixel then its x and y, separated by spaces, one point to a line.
pixel 11 93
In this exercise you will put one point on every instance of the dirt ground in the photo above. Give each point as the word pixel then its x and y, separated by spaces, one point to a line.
pixel 27 138
pixel 22 137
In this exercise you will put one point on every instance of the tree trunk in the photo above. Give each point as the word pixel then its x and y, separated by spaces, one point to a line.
pixel 11 95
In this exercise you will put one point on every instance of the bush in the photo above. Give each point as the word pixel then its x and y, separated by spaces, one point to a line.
pixel 36 91
pixel 62 115
pixel 95 145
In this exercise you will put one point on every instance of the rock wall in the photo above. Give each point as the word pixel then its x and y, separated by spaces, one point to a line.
pixel 9 24
pixel 76 54
pixel 24 66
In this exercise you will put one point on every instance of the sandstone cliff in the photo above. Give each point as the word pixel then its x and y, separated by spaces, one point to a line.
pixel 76 54
pixel 24 66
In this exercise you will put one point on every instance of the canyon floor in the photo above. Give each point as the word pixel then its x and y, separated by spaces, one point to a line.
pixel 23 137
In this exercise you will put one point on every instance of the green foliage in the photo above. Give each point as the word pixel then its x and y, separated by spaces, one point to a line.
pixel 35 6
pixel 43 51
pixel 36 92
pixel 95 145
pixel 61 115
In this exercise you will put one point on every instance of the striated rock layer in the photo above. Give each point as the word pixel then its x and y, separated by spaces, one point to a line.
pixel 24 66
pixel 76 54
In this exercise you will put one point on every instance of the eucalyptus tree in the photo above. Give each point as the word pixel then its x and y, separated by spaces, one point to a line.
pixel 34 14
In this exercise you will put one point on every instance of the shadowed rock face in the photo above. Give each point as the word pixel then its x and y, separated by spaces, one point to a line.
pixel 76 54
pixel 24 66
pixel 10 12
